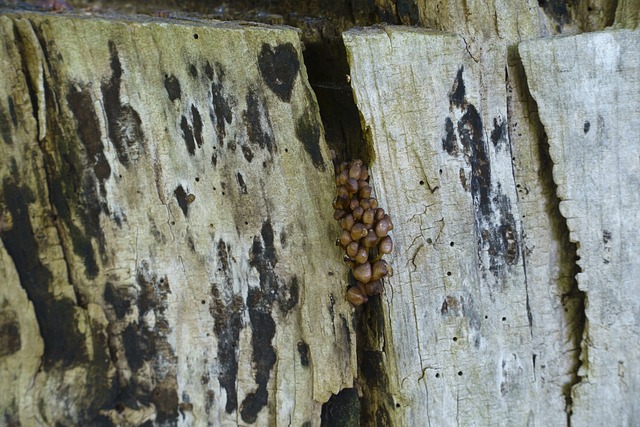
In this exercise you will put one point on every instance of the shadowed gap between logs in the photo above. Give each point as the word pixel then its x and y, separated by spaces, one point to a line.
pixel 573 299
pixel 327 67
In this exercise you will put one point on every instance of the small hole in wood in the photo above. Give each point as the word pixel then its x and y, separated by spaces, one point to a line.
pixel 504 318
pixel 438 375
pixel 440 171
pixel 197 179
pixel 195 36
pixel 455 339
pixel 451 244
pixel 429 241
pixel 448 273
pixel 421 182
pixel 173 223
pixel 459 373
pixel 286 150
pixel 203 302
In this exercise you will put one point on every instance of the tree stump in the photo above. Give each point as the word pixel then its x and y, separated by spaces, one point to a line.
pixel 167 234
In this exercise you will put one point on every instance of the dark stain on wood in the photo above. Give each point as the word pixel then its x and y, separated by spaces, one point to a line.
pixel 247 153
pixel 172 86
pixel 88 126
pixel 457 94
pixel 449 142
pixel 279 68
pixel 208 70
pixel 10 341
pixel 241 183
pixel 494 221
pixel 408 12
pixel 187 135
pixel 146 344
pixel 303 351
pixel 256 119
pixel 289 295
pixel 226 310
pixel 123 122
pixel 193 70
pixel 260 301
pixel 342 409
pixel 308 133
pixel 499 132
pixel 64 344
pixel 558 10
pixel 197 125
pixel 181 198
pixel 119 299
pixel 12 111
pixel 222 114
pixel 5 122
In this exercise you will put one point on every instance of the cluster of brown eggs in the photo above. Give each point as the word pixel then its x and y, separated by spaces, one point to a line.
pixel 365 228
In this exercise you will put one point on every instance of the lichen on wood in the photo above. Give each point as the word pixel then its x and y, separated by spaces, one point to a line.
pixel 166 226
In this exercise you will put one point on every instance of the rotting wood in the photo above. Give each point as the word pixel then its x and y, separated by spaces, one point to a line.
pixel 166 222
pixel 475 329
pixel 587 89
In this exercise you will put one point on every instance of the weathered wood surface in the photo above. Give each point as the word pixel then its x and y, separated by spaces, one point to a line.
pixel 480 318
pixel 587 89
pixel 167 235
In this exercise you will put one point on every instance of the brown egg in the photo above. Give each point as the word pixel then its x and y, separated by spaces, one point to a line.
pixel 379 214
pixel 358 231
pixel 357 213
pixel 352 249
pixel 339 213
pixel 382 227
pixel 386 245
pixel 342 177
pixel 361 256
pixel 364 173
pixel 365 192
pixel 365 203
pixel 362 273
pixel 347 222
pixel 345 238
pixel 355 170
pixel 374 288
pixel 352 185
pixel 388 218
pixel 379 269
pixel 369 240
pixel 368 217
pixel 356 297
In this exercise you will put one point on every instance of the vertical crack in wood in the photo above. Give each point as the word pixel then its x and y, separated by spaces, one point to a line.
pixel 327 67
pixel 572 298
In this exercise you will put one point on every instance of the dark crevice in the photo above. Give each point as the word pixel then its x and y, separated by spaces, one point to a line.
pixel 573 299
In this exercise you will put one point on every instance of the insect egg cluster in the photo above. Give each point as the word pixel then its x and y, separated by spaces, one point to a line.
pixel 365 227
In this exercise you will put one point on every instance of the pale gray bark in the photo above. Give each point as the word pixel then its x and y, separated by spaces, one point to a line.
pixel 587 89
